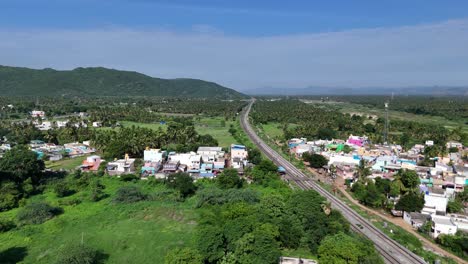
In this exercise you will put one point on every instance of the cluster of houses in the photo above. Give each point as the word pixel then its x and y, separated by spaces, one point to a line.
pixel 440 182
pixel 207 162
pixel 55 152
pixel 41 123
pixel 46 125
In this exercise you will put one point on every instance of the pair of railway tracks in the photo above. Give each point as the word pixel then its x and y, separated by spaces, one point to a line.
pixel 390 250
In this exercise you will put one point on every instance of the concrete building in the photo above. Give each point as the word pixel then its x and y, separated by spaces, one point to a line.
pixel 210 153
pixel 434 204
pixel 414 219
pixel 442 225
pixel 91 163
pixel 154 155
pixel 239 156
pixel 461 221
pixel 122 166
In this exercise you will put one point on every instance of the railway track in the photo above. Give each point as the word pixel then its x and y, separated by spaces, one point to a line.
pixel 390 250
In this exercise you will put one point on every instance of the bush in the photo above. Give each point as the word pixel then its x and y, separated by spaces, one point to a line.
pixel 181 182
pixel 61 189
pixel 129 177
pixel 129 194
pixel 185 255
pixel 215 196
pixel 229 178
pixel 6 225
pixel 317 161
pixel 37 213
pixel 79 254
pixel 70 202
pixel 97 192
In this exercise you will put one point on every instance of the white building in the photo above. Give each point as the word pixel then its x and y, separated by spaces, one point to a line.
pixel 429 143
pixel 191 160
pixel 414 219
pixel 154 155
pixel 460 221
pixel 122 166
pixel 97 124
pixel 442 225
pixel 435 203
pixel 210 154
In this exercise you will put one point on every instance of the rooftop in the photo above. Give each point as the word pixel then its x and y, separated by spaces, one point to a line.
pixel 442 220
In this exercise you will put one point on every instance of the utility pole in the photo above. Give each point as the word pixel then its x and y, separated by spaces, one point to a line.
pixel 386 124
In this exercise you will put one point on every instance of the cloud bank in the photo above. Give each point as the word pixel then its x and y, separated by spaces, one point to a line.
pixel 430 54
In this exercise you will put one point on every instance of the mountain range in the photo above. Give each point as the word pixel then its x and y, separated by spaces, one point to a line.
pixel 316 90
pixel 98 81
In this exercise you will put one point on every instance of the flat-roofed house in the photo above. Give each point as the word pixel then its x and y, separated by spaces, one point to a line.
pixel 122 166
pixel 442 225
pixel 91 163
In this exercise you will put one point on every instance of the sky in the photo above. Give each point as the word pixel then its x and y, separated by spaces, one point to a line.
pixel 244 44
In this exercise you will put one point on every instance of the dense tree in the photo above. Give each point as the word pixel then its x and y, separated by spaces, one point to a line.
pixel 229 178
pixel 255 156
pixel 181 182
pixel 343 248
pixel 409 178
pixel 410 202
pixel 316 160
pixel 20 164
pixel 457 243
pixel 454 206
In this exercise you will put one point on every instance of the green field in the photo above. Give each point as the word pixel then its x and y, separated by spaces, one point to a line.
pixel 274 129
pixel 214 127
pixel 66 164
pixel 145 125
pixel 128 233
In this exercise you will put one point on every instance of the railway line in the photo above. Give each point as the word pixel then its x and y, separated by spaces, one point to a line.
pixel 390 250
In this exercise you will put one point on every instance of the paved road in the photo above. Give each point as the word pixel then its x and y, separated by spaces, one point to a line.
pixel 391 251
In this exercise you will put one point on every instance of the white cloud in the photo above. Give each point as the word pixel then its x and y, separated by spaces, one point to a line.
pixel 404 56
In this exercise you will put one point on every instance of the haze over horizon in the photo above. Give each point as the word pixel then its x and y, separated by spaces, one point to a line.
pixel 333 44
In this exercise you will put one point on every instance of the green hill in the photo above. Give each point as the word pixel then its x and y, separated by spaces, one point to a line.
pixel 100 81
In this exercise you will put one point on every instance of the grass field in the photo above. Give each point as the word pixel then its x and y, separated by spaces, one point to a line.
pixel 203 125
pixel 128 233
pixel 274 129
pixel 214 127
pixel 145 125
pixel 66 164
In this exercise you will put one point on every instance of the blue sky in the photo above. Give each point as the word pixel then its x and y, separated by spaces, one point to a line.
pixel 246 44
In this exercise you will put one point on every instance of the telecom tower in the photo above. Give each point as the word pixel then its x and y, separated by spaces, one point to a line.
pixel 386 124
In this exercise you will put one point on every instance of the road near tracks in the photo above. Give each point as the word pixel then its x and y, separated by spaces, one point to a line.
pixel 391 251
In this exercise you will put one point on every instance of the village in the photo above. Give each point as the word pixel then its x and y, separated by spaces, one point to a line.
pixel 439 182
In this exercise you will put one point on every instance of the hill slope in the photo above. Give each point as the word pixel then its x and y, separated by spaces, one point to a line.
pixel 99 81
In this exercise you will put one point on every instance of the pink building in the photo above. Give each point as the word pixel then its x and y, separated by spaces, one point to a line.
pixel 356 141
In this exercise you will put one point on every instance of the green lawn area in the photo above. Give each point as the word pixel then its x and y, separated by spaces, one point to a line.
pixel 66 164
pixel 145 125
pixel 214 127
pixel 274 129
pixel 140 232
pixel 203 125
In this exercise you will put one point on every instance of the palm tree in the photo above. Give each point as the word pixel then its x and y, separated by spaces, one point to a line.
pixel 362 171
